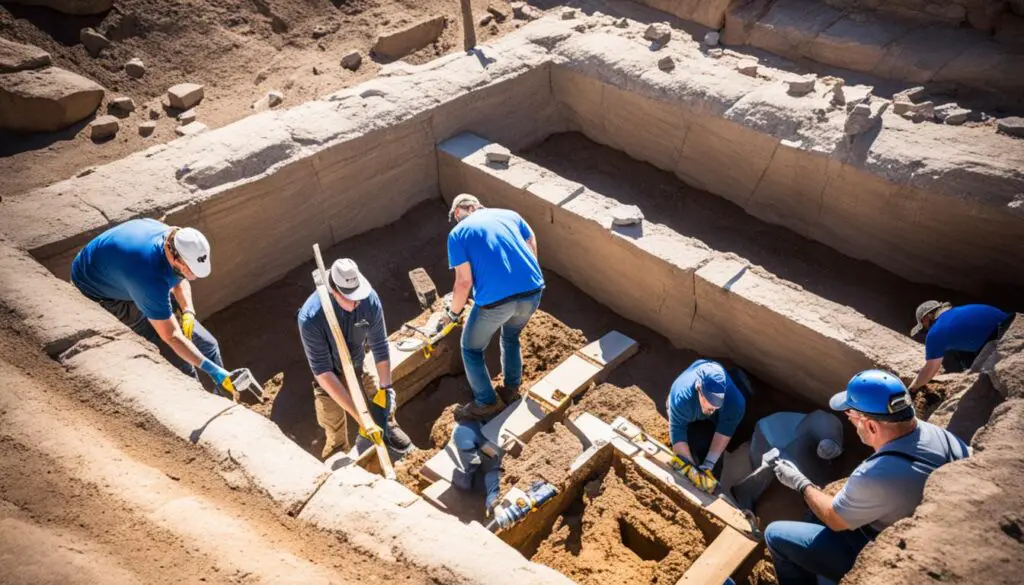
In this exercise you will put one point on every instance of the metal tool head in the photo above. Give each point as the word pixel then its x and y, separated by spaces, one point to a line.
pixel 243 381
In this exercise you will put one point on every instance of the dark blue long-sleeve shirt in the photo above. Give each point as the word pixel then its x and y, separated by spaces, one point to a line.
pixel 362 326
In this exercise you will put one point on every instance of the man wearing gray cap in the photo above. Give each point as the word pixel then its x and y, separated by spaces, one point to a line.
pixel 493 253
pixel 361 317
pixel 955 335
pixel 140 272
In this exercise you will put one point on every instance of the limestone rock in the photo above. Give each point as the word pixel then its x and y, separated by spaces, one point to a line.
pixel 103 127
pixel 135 68
pixel 18 57
pixel 916 112
pixel 399 43
pixel 322 30
pixel 190 129
pixel 624 215
pixel 622 23
pixel 94 42
pixel 666 63
pixel 122 104
pixel 185 95
pixel 716 53
pixel 711 39
pixel 498 14
pixel 568 13
pixel 497 154
pixel 802 86
pixel 951 114
pixel 658 33
pixel 69 6
pixel 838 93
pixel 352 61
pixel 864 117
pixel 187 117
pixel 46 100
pixel 1014 126
pixel 147 128
pixel 523 11
pixel 912 95
pixel 271 100
pixel 747 67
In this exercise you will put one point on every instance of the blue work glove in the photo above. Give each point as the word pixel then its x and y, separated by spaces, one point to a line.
pixel 219 375
pixel 791 476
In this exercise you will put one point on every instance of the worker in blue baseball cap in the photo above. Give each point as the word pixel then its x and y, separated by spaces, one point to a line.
pixel 886 487
pixel 705 405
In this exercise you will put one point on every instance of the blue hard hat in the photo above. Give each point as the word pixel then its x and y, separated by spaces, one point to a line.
pixel 877 394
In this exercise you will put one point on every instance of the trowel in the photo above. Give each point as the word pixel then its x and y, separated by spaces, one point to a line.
pixel 748 489
pixel 242 380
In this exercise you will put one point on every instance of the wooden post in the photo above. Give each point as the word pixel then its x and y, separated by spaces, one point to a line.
pixel 468 26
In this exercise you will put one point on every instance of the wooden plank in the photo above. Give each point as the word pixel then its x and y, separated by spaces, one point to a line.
pixel 720 560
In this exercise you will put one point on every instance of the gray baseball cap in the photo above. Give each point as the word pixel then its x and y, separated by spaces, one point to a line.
pixel 923 310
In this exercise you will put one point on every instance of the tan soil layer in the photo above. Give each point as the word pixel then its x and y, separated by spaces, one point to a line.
pixel 763 573
pixel 238 49
pixel 587 542
pixel 608 402
pixel 547 456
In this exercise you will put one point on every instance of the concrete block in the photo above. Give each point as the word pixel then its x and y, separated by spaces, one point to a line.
pixel 572 375
pixel 549 396
pixel 185 95
pixel 611 350
pixel 591 429
pixel 519 420
pixel 270 460
pixel 441 466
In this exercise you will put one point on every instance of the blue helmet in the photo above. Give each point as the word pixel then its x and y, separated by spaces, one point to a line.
pixel 878 394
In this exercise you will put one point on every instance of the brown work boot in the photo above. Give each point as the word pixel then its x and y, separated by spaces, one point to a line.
pixel 509 394
pixel 473 411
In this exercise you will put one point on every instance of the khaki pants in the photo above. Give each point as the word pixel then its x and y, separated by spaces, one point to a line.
pixel 333 418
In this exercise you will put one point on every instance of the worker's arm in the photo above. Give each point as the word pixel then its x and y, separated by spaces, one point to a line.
pixel 170 333
pixel 931 367
pixel 821 504
pixel 532 243
pixel 378 338
pixel 718 445
pixel 682 449
pixel 463 284
pixel 183 294
pixel 330 382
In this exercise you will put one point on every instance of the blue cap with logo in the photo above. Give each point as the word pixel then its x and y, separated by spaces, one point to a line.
pixel 877 394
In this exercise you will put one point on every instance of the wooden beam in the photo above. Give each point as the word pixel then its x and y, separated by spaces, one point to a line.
pixel 720 560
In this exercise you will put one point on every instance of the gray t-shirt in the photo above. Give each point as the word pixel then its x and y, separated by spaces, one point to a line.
pixel 886 488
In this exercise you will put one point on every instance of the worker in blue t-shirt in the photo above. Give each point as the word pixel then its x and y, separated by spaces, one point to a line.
pixel 955 335
pixel 140 271
pixel 704 408
pixel 360 315
pixel 494 255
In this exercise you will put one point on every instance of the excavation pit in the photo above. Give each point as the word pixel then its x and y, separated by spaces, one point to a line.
pixel 768 238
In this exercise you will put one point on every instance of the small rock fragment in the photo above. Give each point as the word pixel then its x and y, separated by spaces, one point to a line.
pixel 802 86
pixel 666 63
pixel 487 18
pixel 352 61
pixel 498 14
pixel 859 120
pixel 317 70
pixel 103 127
pixel 951 114
pixel 838 93
pixel 122 104
pixel 135 68
pixel 190 129
pixel 147 128
pixel 916 112
pixel 711 39
pixel 187 117
pixel 658 33
pixel 94 42
pixel 568 13
pixel 747 67
pixel 18 57
pixel 622 23
pixel 524 11
pixel 322 30
pixel 154 115
pixel 1014 126
pixel 716 53
pixel 497 154
pixel 185 95
pixel 911 95
pixel 624 215
pixel 271 100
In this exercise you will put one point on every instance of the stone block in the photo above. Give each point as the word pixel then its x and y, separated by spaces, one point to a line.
pixel 103 127
pixel 94 42
pixel 609 351
pixel 1012 126
pixel 441 466
pixel 187 117
pixel 519 420
pixel 496 154
pixel 399 43
pixel 190 129
pixel 626 215
pixel 18 57
pixel 573 375
pixel 122 104
pixel 269 459
pixel 423 286
pixel 802 86
pixel 747 67
pixel 46 100
pixel 185 95
pixel 666 63
pixel 135 68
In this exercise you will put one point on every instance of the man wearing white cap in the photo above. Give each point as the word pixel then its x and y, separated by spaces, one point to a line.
pixel 361 317
pixel 140 271
pixel 494 254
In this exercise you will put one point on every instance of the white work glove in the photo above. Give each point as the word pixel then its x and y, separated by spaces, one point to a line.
pixel 790 476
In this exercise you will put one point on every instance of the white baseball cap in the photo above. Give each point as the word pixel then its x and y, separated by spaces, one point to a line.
pixel 193 248
pixel 346 279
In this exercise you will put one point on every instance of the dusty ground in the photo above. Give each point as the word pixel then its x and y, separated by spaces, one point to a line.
pixel 238 49
pixel 547 456
pixel 608 402
pixel 622 530
pixel 62 528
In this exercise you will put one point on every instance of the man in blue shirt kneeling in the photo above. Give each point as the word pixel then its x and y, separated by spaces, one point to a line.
pixel 955 335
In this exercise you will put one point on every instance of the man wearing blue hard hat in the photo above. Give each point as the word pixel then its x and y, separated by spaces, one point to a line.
pixel 955 335
pixel 886 487
pixel 704 408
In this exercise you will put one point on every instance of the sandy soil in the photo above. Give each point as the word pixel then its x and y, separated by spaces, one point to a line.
pixel 238 49
pixel 64 529
pixel 763 573
pixel 622 530
pixel 547 456
pixel 608 402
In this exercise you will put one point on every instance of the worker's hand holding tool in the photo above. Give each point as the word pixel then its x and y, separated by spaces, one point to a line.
pixel 708 482
pixel 219 375
pixel 374 434
pixel 188 322
pixel 791 476
pixel 450 316
pixel 704 481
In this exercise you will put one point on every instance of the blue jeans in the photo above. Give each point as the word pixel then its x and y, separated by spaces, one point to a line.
pixel 803 550
pixel 128 313
pixel 468 438
pixel 481 325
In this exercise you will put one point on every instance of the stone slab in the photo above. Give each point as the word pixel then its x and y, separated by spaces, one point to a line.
pixel 591 429
pixel 612 349
pixel 519 420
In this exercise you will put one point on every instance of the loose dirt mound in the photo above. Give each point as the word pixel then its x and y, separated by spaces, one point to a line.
pixel 546 457
pixel 607 402
pixel 763 573
pixel 271 388
pixel 407 469
pixel 622 530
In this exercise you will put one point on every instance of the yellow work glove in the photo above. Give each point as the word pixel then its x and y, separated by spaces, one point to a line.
pixel 703 479
pixel 374 434
pixel 188 322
